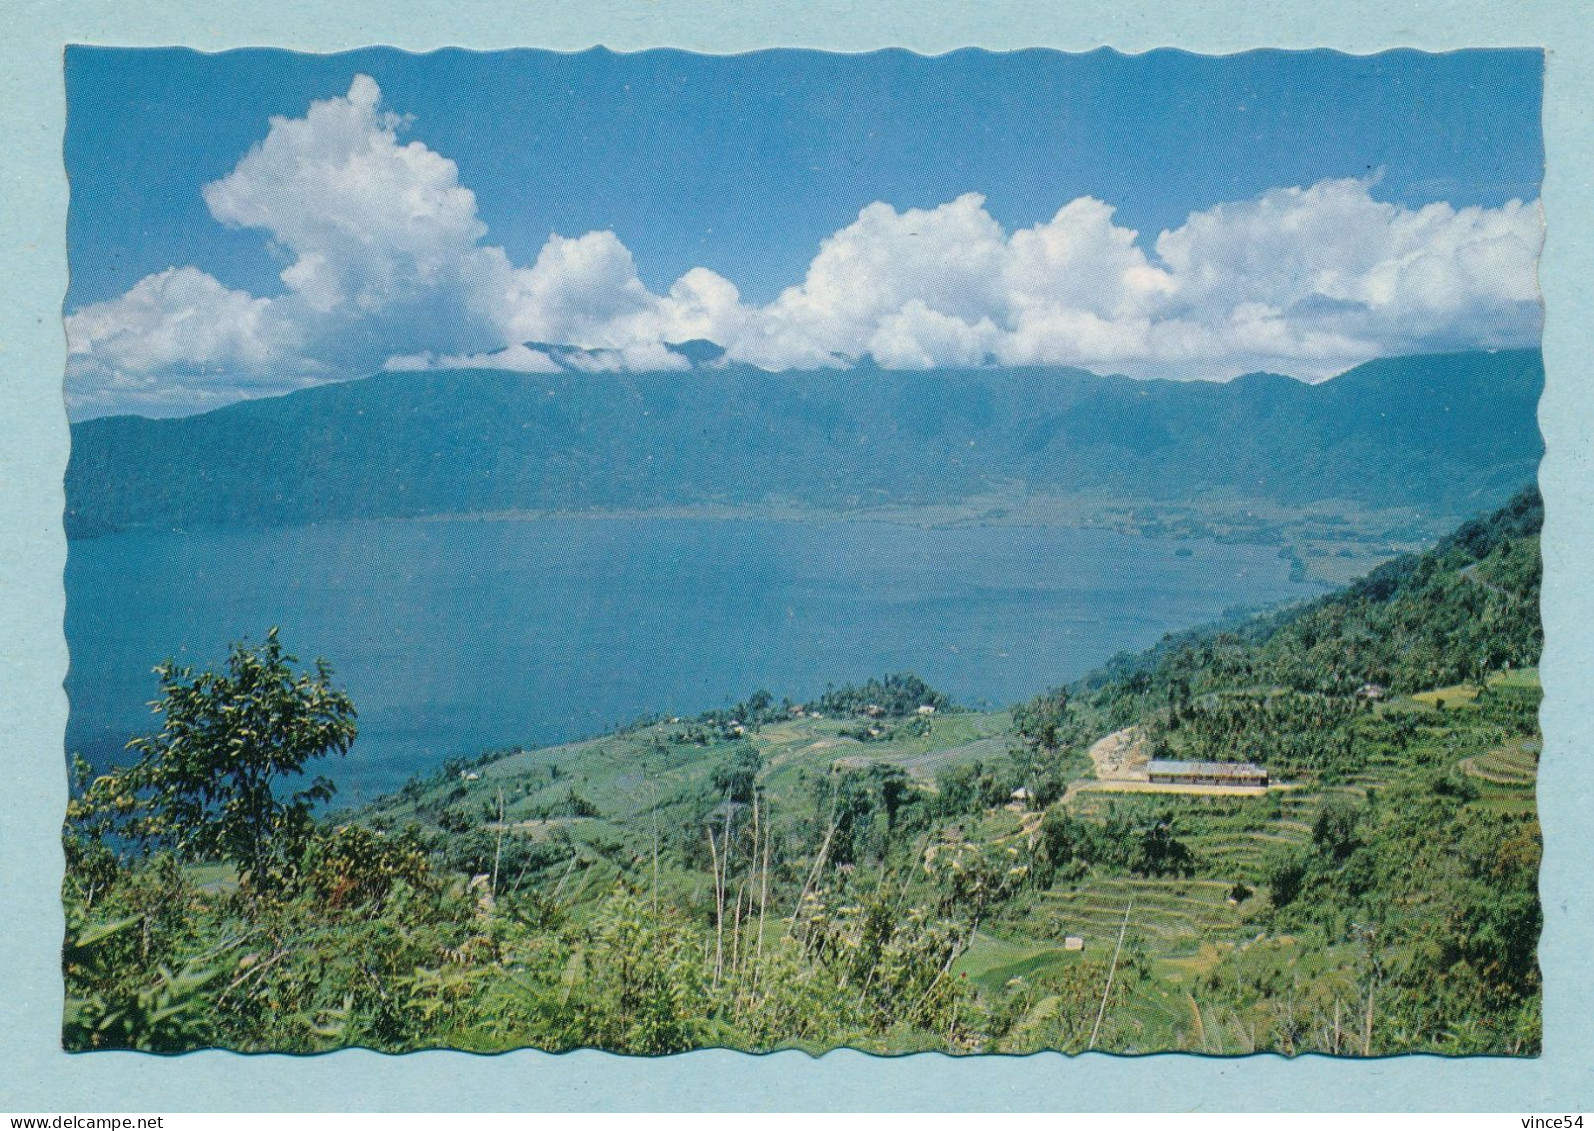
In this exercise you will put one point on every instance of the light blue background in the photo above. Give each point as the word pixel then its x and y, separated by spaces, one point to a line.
pixel 35 1076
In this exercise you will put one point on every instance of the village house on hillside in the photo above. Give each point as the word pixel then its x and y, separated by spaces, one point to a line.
pixel 1206 773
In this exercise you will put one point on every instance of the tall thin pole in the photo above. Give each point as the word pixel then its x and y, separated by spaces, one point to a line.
pixel 763 903
pixel 498 850
pixel 654 790
pixel 1112 969
pixel 752 866
pixel 819 862
pixel 736 932
pixel 719 909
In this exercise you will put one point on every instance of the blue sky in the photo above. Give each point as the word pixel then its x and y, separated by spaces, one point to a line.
pixel 609 201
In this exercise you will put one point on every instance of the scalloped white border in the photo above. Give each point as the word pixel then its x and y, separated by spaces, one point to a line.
pixel 35 1075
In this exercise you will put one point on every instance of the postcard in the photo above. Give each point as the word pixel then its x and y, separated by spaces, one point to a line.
pixel 668 556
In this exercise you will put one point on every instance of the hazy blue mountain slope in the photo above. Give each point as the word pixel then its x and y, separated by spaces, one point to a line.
pixel 1448 434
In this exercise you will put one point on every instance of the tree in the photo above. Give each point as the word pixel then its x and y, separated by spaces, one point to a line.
pixel 207 784
pixel 1157 852
pixel 1334 831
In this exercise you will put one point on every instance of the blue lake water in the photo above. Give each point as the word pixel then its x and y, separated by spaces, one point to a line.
pixel 457 636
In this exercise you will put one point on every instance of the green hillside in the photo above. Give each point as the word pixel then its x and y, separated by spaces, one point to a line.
pixel 1418 439
pixel 863 870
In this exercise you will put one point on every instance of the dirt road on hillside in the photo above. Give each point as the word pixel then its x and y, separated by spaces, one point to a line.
pixel 1122 756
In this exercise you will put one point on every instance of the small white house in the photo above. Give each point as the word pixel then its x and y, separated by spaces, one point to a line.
pixel 926 709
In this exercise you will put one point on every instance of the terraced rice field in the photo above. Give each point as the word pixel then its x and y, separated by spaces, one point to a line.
pixel 1514 764
pixel 1245 854
pixel 994 960
pixel 1460 695
pixel 1166 916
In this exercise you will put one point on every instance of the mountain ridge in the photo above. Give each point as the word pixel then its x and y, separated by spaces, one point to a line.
pixel 1448 434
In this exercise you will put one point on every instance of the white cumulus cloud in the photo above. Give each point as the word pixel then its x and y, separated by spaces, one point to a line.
pixel 178 340
pixel 387 267
pixel 180 318
pixel 1303 268
pixel 1311 280
pixel 369 221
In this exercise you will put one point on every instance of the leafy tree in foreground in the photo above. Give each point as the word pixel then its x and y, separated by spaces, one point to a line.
pixel 207 783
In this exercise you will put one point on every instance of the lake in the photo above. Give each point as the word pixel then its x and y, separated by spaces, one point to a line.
pixel 454 636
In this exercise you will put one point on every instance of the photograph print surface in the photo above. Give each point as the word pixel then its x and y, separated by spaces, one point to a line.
pixel 982 553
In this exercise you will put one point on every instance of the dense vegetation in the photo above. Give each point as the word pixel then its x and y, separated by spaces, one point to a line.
pixel 1468 606
pixel 779 875
pixel 1442 435
pixel 895 696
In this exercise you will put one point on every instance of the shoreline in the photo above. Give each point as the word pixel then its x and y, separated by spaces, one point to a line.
pixel 1328 544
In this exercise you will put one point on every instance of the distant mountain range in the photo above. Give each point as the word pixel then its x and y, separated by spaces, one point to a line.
pixel 1447 434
